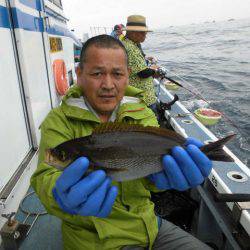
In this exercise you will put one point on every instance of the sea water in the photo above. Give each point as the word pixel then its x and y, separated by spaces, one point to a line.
pixel 212 59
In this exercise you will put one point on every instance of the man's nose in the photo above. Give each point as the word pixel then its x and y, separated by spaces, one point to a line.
pixel 108 81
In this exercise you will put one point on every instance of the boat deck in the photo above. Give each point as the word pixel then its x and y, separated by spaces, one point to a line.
pixel 46 232
pixel 222 175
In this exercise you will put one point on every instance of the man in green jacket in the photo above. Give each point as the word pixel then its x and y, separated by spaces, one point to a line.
pixel 98 213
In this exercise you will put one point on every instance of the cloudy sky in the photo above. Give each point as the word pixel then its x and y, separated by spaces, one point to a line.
pixel 84 14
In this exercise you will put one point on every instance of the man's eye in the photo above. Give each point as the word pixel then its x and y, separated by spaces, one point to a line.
pixel 118 74
pixel 96 74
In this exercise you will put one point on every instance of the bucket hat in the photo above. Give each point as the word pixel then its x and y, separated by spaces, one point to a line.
pixel 136 23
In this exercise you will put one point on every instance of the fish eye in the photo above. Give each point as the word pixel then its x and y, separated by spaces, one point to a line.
pixel 62 156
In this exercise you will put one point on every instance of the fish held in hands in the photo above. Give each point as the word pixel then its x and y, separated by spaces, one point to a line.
pixel 127 152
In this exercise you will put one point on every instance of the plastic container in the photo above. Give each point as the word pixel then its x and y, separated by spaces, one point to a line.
pixel 207 116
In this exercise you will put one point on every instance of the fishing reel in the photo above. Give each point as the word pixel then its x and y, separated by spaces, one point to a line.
pixel 161 72
pixel 151 61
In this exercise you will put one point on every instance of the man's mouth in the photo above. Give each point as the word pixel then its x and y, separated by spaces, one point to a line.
pixel 107 96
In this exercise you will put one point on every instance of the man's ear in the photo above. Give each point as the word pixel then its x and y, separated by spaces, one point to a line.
pixel 78 74
pixel 129 71
pixel 78 71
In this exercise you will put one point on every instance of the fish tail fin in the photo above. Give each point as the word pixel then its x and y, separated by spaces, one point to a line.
pixel 214 150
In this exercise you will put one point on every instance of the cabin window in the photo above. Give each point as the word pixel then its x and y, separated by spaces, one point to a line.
pixel 57 2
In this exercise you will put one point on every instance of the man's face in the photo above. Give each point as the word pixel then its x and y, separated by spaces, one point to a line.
pixel 104 78
pixel 137 36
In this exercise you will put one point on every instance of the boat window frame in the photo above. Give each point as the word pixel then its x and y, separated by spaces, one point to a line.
pixel 58 3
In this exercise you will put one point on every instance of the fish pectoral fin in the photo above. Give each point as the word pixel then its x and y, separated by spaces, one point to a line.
pixel 100 166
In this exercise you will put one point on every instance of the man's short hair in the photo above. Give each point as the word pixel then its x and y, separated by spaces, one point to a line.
pixel 101 41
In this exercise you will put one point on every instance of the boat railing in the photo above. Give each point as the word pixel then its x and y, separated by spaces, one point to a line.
pixel 98 30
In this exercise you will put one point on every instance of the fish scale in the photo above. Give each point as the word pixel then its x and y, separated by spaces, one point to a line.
pixel 133 168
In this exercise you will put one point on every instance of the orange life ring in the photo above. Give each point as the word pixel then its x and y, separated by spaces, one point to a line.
pixel 60 76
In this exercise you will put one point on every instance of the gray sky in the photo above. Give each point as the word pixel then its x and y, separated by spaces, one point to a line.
pixel 159 13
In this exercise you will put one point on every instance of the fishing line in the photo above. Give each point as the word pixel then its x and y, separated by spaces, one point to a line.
pixel 163 72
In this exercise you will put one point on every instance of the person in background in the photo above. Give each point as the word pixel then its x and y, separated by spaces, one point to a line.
pixel 96 212
pixel 141 75
pixel 117 31
pixel 121 37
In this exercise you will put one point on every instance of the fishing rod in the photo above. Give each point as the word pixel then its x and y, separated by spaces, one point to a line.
pixel 163 73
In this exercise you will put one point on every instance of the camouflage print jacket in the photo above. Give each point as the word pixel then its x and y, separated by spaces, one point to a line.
pixel 137 63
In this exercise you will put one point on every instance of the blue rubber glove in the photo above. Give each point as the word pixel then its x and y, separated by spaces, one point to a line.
pixel 91 195
pixel 184 168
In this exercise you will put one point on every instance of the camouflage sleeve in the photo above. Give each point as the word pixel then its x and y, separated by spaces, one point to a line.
pixel 136 61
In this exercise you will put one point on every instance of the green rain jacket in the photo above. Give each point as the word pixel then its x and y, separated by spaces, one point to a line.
pixel 132 220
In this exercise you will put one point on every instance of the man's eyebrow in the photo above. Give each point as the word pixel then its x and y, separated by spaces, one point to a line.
pixel 118 69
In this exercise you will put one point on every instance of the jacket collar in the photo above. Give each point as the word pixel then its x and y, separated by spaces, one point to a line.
pixel 75 106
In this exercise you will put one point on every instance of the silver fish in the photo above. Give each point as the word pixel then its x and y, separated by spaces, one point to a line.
pixel 126 152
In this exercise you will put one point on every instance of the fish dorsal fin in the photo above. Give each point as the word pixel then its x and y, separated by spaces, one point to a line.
pixel 110 127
